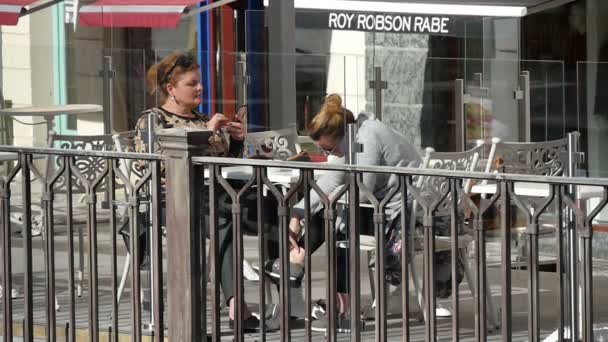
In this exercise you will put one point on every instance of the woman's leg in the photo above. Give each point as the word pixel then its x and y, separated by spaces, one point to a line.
pixel 225 242
pixel 226 262
pixel 316 232
pixel 225 249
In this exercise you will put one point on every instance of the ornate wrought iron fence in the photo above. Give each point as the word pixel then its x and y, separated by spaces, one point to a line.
pixel 566 214
pixel 77 170
pixel 193 181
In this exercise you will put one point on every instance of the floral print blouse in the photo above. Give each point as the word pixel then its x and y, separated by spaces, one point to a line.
pixel 219 145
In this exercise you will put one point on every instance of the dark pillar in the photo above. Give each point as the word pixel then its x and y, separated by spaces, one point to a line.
pixel 186 296
pixel 281 64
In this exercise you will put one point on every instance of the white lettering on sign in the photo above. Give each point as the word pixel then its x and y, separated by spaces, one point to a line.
pixel 389 23
pixel 418 24
pixel 444 25
pixel 340 20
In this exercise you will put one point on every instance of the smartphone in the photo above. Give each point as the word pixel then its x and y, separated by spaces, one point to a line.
pixel 241 114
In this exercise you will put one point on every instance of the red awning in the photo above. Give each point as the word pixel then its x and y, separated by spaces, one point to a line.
pixel 134 13
pixel 10 10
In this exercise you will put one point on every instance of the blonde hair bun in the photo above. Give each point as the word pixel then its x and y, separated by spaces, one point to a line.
pixel 333 100
pixel 331 119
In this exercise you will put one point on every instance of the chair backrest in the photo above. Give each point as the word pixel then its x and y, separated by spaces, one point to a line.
pixel 278 144
pixel 487 155
pixel 546 158
pixel 89 167
pixel 431 188
pixel 486 160
pixel 125 142
pixel 455 161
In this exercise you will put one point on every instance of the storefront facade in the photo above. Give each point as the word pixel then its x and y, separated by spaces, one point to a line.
pixel 560 45
pixel 283 77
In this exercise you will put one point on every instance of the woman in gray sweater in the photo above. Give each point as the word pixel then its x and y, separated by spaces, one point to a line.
pixel 382 146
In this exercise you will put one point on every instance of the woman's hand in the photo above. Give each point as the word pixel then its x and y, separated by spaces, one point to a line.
pixel 217 122
pixel 294 233
pixel 294 225
pixel 236 130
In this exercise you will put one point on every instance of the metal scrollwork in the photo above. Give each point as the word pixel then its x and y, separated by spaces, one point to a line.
pixel 542 158
pixel 89 167
pixel 432 188
pixel 273 144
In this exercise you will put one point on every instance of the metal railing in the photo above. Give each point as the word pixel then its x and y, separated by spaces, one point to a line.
pixel 192 182
pixel 106 173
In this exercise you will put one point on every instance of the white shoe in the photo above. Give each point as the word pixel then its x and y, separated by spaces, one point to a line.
pixel 249 273
pixel 440 311
pixel 14 293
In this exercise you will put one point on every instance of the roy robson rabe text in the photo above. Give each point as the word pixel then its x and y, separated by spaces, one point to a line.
pixel 389 23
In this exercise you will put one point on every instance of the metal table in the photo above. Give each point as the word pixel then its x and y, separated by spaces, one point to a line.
pixel 50 112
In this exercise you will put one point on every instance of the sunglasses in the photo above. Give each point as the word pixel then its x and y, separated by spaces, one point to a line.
pixel 184 61
pixel 329 152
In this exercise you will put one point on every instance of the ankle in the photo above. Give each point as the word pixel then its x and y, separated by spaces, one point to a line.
pixel 232 309
pixel 343 303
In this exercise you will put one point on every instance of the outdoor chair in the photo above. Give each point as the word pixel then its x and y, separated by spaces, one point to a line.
pixel 276 144
pixel 367 244
pixel 90 168
pixel 428 188
pixel 131 168
pixel 546 158
pixel 125 142
pixel 279 144
pixel 431 187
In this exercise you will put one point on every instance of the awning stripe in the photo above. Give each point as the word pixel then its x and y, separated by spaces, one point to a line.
pixel 9 18
pixel 130 20
pixel 10 10
pixel 136 13
pixel 132 9
pixel 20 3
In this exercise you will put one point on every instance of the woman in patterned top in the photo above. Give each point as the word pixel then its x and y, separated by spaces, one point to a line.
pixel 177 81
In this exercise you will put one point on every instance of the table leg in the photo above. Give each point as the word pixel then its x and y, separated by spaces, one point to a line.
pixel 50 129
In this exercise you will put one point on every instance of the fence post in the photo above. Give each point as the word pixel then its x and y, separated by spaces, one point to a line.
pixel 186 296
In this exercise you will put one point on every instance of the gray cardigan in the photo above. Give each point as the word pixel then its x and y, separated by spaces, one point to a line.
pixel 382 146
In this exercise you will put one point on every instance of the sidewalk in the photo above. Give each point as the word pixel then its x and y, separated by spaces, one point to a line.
pixel 548 295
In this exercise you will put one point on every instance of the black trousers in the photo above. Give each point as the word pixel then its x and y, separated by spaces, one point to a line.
pixel 249 220
pixel 317 234
pixel 224 229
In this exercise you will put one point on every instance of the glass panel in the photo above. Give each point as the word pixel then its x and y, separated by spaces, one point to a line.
pixel 32 77
pixel 547 110
pixel 315 77
pixel 130 93
pixel 84 84
pixel 493 110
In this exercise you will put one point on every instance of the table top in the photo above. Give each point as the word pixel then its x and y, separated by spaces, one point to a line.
pixel 275 175
pixel 538 190
pixel 52 110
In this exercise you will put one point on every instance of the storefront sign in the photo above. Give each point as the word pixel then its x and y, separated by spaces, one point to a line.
pixel 377 22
